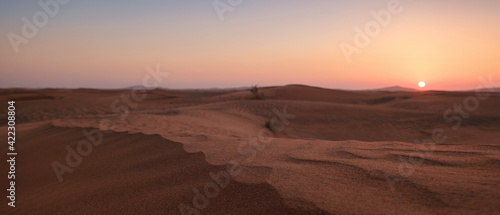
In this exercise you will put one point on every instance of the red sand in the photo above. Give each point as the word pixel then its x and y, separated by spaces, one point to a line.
pixel 339 154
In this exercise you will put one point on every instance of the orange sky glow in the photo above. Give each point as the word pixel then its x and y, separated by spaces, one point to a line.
pixel 102 45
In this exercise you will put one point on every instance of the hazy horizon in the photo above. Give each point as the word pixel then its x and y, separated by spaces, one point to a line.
pixel 151 107
pixel 94 44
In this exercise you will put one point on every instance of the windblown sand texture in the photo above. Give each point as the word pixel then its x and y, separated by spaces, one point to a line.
pixel 340 154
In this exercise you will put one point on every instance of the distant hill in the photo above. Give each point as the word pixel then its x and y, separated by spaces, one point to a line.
pixel 396 89
pixel 213 88
pixel 488 90
pixel 138 87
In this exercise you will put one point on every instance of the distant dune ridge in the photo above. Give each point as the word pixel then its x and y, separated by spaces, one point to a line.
pixel 340 154
pixel 397 89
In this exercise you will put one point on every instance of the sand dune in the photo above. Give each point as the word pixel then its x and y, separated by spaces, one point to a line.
pixel 340 152
pixel 127 174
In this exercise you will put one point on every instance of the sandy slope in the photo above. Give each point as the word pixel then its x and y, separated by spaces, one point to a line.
pixel 340 153
pixel 127 174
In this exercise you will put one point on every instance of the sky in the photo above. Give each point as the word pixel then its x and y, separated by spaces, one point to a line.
pixel 108 44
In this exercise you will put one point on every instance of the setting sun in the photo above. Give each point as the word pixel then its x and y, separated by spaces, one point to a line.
pixel 421 84
pixel 193 102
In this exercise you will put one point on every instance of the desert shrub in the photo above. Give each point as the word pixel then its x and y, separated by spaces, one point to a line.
pixel 270 125
pixel 255 92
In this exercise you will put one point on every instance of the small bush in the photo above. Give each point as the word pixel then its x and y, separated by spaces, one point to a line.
pixel 255 92
pixel 270 125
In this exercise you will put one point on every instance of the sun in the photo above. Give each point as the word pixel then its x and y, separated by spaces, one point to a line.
pixel 421 84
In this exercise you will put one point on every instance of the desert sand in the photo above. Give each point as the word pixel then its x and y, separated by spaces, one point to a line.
pixel 336 152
